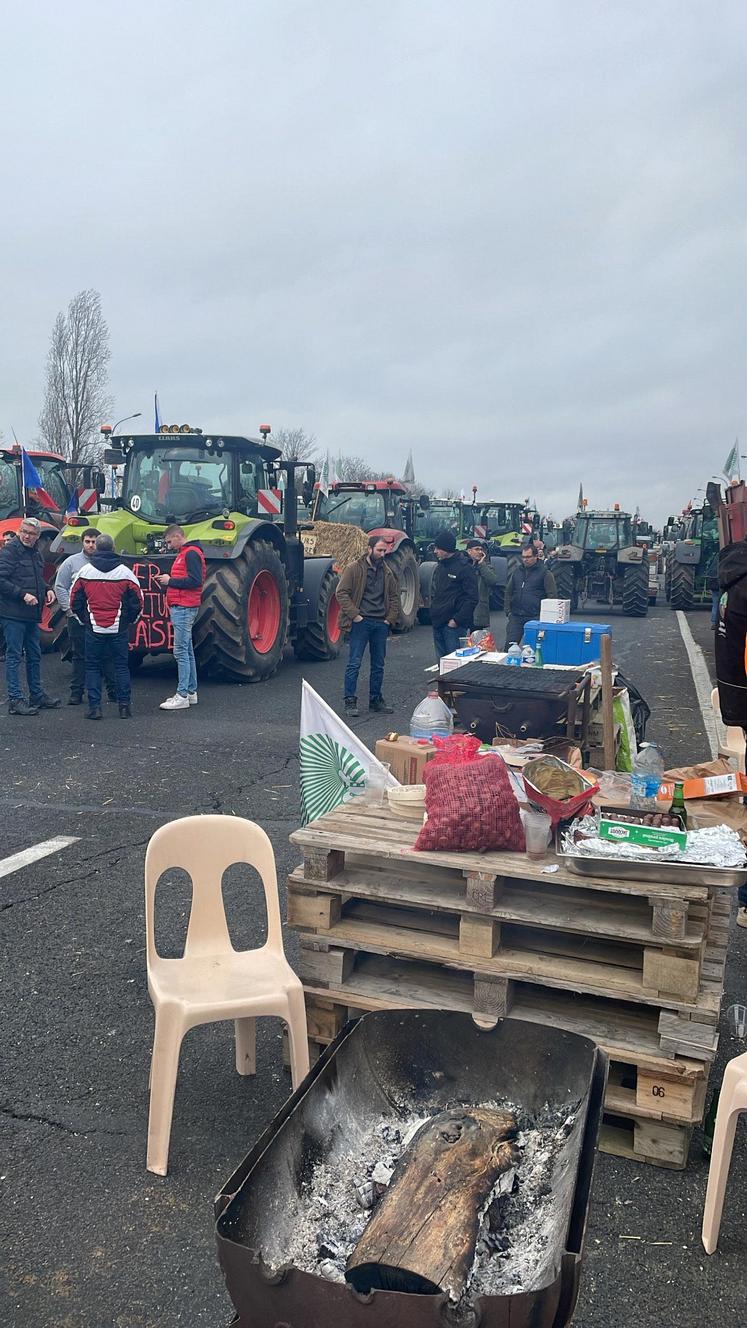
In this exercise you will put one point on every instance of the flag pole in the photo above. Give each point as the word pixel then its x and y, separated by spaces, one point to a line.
pixel 23 473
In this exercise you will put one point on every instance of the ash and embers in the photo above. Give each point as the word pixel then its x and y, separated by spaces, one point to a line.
pixel 522 1230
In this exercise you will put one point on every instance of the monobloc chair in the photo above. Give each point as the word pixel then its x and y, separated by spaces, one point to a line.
pixel 212 981
pixel 734 740
pixel 733 1099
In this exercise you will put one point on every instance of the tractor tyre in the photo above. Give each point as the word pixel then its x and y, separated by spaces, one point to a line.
pixel 497 597
pixel 322 637
pixel 682 592
pixel 405 567
pixel 242 623
pixel 565 585
pixel 668 580
pixel 53 629
pixel 635 592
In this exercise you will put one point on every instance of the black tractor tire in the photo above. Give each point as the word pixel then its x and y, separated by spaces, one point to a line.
pixel 322 637
pixel 404 564
pixel 635 592
pixel 497 597
pixel 565 585
pixel 222 636
pixel 682 593
pixel 668 579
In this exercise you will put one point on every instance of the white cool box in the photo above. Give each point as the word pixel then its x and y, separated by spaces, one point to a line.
pixel 555 610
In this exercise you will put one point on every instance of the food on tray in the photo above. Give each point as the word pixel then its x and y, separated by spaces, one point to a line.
pixel 711 846
pixel 555 779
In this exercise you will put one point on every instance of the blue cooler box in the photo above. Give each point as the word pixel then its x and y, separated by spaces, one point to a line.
pixel 567 643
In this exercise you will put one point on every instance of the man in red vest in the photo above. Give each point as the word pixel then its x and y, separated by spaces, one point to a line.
pixel 183 585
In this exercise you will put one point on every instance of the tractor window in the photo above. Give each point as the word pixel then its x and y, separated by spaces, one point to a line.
pixel 10 503
pixel 178 483
pixel 365 510
pixel 431 522
pixel 53 480
pixel 602 533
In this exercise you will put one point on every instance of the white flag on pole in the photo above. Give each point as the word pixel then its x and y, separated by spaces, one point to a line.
pixel 334 763
pixel 324 477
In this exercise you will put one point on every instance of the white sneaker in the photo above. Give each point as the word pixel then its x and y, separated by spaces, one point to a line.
pixel 742 916
pixel 176 702
pixel 192 698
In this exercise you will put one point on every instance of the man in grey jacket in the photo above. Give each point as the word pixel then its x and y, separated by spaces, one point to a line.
pixel 66 574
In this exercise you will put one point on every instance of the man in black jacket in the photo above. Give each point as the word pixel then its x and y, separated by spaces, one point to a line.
pixel 731 654
pixel 529 582
pixel 454 594
pixel 23 594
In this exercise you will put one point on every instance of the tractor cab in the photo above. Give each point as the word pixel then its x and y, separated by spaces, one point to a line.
pixel 371 505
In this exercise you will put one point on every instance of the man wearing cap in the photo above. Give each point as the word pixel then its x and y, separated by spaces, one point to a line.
pixel 487 577
pixel 23 594
pixel 454 594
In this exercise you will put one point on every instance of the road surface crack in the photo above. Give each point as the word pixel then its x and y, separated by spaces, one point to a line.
pixel 37 1119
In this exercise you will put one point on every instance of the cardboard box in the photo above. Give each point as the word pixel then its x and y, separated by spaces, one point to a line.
pixel 712 786
pixel 648 836
pixel 555 610
pixel 407 757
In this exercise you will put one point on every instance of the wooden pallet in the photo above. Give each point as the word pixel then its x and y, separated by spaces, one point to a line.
pixel 645 1141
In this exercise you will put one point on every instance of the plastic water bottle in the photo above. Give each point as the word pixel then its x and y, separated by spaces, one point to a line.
pixel 514 654
pixel 648 770
pixel 527 656
pixel 431 719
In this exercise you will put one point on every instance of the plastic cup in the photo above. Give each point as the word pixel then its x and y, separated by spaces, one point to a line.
pixel 537 831
pixel 736 1020
pixel 377 784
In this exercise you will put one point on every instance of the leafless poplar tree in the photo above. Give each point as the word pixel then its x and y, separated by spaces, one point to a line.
pixel 295 444
pixel 76 398
pixel 355 469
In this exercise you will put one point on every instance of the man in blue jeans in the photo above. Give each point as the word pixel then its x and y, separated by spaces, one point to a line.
pixel 183 586
pixel 368 595
pixel 106 598
pixel 23 594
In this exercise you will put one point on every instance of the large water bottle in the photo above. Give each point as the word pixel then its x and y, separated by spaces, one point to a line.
pixel 431 719
pixel 514 654
pixel 648 771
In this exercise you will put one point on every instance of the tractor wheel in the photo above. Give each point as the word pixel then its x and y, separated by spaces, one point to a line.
pixel 53 629
pixel 565 585
pixel 497 596
pixel 668 580
pixel 404 565
pixel 322 637
pixel 682 587
pixel 635 592
pixel 242 623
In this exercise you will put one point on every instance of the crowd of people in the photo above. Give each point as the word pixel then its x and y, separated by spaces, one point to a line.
pixel 368 595
pixel 102 600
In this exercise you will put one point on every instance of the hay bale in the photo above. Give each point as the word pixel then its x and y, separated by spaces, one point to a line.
pixel 325 539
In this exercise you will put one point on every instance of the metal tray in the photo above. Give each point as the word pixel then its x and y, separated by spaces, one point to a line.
pixel 663 873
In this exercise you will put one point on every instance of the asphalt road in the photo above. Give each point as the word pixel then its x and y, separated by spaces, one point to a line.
pixel 90 1239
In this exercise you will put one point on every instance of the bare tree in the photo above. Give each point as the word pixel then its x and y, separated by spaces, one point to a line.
pixel 296 444
pixel 354 469
pixel 76 398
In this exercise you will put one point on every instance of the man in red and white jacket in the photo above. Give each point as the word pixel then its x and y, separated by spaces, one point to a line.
pixel 106 597
pixel 183 585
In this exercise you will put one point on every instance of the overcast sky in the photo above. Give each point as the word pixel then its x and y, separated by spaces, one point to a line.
pixel 509 235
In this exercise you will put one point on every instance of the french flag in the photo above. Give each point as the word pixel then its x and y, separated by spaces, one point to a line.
pixel 33 485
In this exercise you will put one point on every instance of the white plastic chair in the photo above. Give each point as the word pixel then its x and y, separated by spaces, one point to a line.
pixel 732 1101
pixel 212 981
pixel 731 739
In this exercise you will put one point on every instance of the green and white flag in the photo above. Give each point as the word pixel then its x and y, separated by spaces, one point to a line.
pixel 334 763
pixel 731 465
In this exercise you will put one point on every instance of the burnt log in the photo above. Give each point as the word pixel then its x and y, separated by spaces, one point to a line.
pixel 422 1236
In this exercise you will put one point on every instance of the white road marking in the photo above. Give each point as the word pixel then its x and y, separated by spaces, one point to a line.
pixel 703 686
pixel 33 854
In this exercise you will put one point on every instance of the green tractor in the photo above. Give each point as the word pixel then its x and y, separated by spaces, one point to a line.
pixel 226 492
pixel 693 559
pixel 602 562
pixel 503 526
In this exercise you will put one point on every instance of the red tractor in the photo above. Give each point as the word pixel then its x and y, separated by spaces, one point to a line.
pixel 59 480
pixel 385 508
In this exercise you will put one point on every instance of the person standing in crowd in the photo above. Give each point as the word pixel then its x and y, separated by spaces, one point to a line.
pixel 23 594
pixel 8 537
pixel 529 582
pixel 487 578
pixel 368 595
pixel 731 654
pixel 66 574
pixel 183 586
pixel 454 594
pixel 107 599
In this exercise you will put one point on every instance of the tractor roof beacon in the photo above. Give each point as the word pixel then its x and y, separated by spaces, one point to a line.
pixel 236 498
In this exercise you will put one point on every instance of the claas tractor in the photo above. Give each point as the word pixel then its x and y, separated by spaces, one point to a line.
pixel 237 499
pixel 692 562
pixel 61 484
pixel 378 507
pixel 502 526
pixel 603 563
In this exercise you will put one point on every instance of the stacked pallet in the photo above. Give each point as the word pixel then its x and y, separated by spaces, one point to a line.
pixel 636 966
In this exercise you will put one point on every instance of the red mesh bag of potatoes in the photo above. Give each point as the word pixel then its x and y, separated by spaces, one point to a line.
pixel 470 806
